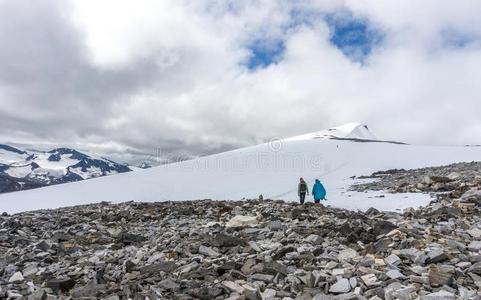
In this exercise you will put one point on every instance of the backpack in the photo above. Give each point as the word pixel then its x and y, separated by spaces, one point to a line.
pixel 302 187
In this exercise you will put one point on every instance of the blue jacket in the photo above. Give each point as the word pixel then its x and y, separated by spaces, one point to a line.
pixel 318 190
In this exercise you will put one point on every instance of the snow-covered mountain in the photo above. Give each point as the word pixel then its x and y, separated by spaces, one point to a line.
pixel 271 169
pixel 349 131
pixel 27 169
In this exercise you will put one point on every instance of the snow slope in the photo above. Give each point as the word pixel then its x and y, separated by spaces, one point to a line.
pixel 271 169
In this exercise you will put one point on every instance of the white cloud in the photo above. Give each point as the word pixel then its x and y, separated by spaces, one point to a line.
pixel 172 74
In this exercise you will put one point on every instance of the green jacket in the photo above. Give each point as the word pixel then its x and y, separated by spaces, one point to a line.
pixel 302 188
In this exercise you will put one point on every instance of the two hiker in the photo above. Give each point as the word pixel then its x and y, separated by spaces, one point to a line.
pixel 318 191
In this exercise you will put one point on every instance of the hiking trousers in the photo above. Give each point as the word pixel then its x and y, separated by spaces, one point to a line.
pixel 302 197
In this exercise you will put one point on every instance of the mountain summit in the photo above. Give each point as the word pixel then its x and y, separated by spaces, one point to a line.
pixel 351 131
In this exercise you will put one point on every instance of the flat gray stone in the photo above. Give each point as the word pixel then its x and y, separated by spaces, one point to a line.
pixel 347 254
pixel 340 287
pixel 262 277
pixel 207 251
pixel 370 280
pixel 441 295
pixel 15 278
pixel 394 274
pixel 474 246
pixel 392 260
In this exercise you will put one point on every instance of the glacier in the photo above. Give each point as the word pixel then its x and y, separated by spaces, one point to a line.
pixel 271 169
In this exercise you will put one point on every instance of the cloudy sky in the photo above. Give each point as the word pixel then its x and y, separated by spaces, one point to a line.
pixel 204 76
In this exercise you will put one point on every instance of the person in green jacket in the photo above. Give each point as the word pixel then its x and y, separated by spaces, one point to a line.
pixel 302 190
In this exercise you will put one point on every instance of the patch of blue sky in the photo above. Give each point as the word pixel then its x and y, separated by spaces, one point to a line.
pixel 354 37
pixel 264 53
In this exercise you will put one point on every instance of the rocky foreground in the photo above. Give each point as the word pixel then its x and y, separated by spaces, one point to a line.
pixel 247 250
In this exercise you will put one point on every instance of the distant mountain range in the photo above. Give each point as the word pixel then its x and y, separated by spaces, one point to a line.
pixel 26 169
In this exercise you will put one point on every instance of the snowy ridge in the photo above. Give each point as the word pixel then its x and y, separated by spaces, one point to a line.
pixel 21 169
pixel 267 169
pixel 347 131
pixel 9 154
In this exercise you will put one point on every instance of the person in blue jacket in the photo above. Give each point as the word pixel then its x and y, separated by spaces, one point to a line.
pixel 318 191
